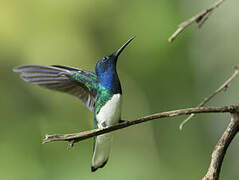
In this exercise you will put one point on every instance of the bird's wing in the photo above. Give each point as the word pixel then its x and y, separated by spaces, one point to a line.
pixel 82 84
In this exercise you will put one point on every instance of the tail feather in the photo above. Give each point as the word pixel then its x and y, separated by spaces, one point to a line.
pixel 102 148
pixel 93 169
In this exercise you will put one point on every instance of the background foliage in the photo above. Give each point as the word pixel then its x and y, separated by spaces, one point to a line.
pixel 156 76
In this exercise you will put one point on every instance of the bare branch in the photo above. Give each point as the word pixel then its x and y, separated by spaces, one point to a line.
pixel 223 87
pixel 221 148
pixel 200 19
pixel 76 137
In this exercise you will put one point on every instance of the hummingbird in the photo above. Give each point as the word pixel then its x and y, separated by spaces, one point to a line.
pixel 100 91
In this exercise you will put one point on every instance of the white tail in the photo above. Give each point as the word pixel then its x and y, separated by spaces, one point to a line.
pixel 102 149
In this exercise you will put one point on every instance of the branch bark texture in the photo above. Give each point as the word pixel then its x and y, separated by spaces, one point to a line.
pixel 76 137
pixel 221 148
pixel 199 18
pixel 223 87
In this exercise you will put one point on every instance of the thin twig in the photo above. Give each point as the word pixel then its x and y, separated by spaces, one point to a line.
pixel 200 19
pixel 221 148
pixel 223 87
pixel 76 137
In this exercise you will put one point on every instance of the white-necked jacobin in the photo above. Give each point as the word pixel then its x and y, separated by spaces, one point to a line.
pixel 99 91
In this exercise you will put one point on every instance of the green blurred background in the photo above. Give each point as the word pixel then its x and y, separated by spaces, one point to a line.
pixel 156 76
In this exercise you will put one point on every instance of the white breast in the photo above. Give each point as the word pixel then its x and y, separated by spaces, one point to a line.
pixel 110 113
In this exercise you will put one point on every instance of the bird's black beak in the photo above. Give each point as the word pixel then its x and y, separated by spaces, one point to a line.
pixel 117 53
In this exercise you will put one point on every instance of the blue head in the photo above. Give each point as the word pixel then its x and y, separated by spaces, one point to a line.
pixel 106 70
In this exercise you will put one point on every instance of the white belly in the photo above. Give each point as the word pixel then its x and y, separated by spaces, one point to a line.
pixel 110 113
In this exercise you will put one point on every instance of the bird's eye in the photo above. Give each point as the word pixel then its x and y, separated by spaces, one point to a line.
pixel 104 58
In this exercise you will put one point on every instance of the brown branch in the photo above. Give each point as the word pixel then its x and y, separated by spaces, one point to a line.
pixel 221 148
pixel 223 87
pixel 76 137
pixel 200 19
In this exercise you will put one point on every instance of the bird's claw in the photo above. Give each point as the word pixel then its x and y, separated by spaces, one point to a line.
pixel 123 121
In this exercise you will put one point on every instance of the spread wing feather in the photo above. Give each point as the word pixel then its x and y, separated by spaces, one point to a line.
pixel 82 84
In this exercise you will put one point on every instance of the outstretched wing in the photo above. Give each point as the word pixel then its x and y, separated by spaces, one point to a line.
pixel 82 84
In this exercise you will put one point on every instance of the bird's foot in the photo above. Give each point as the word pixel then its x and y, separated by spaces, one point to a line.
pixel 123 121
